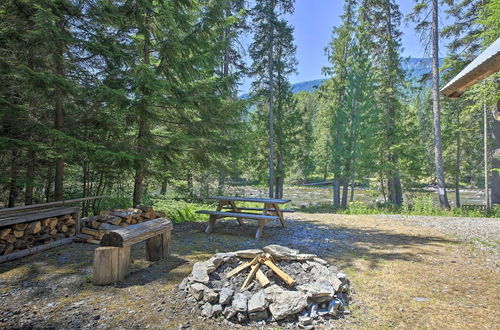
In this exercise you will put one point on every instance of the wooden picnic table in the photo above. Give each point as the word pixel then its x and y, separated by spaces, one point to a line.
pixel 270 211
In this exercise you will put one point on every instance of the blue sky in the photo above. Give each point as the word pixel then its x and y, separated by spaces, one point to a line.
pixel 313 21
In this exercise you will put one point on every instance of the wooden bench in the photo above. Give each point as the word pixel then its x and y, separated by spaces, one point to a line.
pixel 112 258
pixel 258 209
pixel 214 215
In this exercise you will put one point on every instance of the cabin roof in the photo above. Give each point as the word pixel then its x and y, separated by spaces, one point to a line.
pixel 487 63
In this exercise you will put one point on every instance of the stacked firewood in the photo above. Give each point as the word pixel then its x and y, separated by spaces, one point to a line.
pixel 26 235
pixel 94 227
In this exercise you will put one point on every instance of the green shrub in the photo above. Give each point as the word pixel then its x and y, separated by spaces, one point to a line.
pixel 181 211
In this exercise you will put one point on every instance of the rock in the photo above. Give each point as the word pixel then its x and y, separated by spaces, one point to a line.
pixel 257 316
pixel 216 309
pixel 305 256
pixel 207 310
pixel 225 296
pixel 210 295
pixel 280 252
pixel 317 289
pixel 183 285
pixel 321 261
pixel 313 311
pixel 258 302
pixel 306 266
pixel 321 272
pixel 287 303
pixel 197 290
pixel 248 254
pixel 216 261
pixel 229 312
pixel 241 317
pixel 240 302
pixel 201 270
pixel 334 306
pixel 305 320
pixel 272 291
pixel 227 257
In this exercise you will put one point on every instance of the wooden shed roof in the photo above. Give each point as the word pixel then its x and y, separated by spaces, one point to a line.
pixel 487 63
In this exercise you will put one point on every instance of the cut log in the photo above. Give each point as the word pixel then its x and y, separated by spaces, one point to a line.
pixel 144 208
pixel 70 222
pixel 92 241
pixel 10 238
pixel 149 215
pixel 136 233
pixel 4 232
pixel 18 233
pixel 9 249
pixel 53 232
pixel 241 267
pixel 250 276
pixel 105 212
pixel 94 233
pixel 80 238
pixel 20 226
pixel 107 227
pixel 53 223
pixel 113 220
pixel 94 224
pixel 287 279
pixel 64 228
pixel 158 247
pixel 262 278
pixel 110 265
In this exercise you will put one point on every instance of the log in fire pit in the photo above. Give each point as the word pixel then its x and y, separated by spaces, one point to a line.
pixel 275 284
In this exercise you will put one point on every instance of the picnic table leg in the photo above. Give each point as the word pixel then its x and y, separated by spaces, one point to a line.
pixel 260 229
pixel 279 213
pixel 211 223
pixel 236 209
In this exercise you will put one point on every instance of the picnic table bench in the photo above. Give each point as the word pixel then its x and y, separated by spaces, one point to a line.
pixel 269 212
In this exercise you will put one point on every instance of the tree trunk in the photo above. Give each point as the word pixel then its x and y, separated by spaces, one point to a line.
pixel 351 199
pixel 457 163
pixel 190 185
pixel 48 185
pixel 345 192
pixel 486 161
pixel 30 178
pixel 59 119
pixel 271 115
pixel 495 175
pixel 164 186
pixel 336 191
pixel 438 150
pixel 279 178
pixel 143 121
pixel 13 185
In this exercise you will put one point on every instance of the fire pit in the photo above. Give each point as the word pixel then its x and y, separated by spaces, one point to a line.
pixel 273 284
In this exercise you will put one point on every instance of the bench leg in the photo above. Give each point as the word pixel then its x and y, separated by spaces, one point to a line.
pixel 260 229
pixel 240 222
pixel 211 224
pixel 158 247
pixel 110 264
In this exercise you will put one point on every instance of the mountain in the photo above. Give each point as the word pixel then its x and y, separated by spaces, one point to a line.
pixel 415 68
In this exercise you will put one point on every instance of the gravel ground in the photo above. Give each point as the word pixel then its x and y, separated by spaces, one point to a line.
pixel 53 289
pixel 484 232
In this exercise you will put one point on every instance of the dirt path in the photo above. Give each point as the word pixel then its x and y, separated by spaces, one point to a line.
pixel 405 275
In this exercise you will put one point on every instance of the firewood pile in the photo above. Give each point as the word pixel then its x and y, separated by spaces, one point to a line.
pixel 94 227
pixel 26 235
pixel 274 285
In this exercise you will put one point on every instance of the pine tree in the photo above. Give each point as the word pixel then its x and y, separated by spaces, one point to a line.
pixel 273 55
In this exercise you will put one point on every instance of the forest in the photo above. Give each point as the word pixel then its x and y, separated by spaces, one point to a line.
pixel 140 100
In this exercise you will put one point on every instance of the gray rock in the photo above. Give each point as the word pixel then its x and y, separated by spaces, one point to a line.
pixel 313 311
pixel 306 266
pixel 321 261
pixel 280 252
pixel 227 257
pixel 225 296
pixel 334 306
pixel 216 309
pixel 216 261
pixel 272 291
pixel 201 270
pixel 287 303
pixel 305 256
pixel 317 289
pixel 210 295
pixel 184 284
pixel 248 254
pixel 257 316
pixel 207 310
pixel 197 290
pixel 240 302
pixel 229 312
pixel 241 317
pixel 321 272
pixel 257 302
pixel 305 320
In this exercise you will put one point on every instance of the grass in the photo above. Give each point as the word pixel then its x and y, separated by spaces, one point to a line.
pixel 420 206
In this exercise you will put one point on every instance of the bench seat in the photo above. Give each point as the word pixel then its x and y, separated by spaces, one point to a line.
pixel 239 215
pixel 258 209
